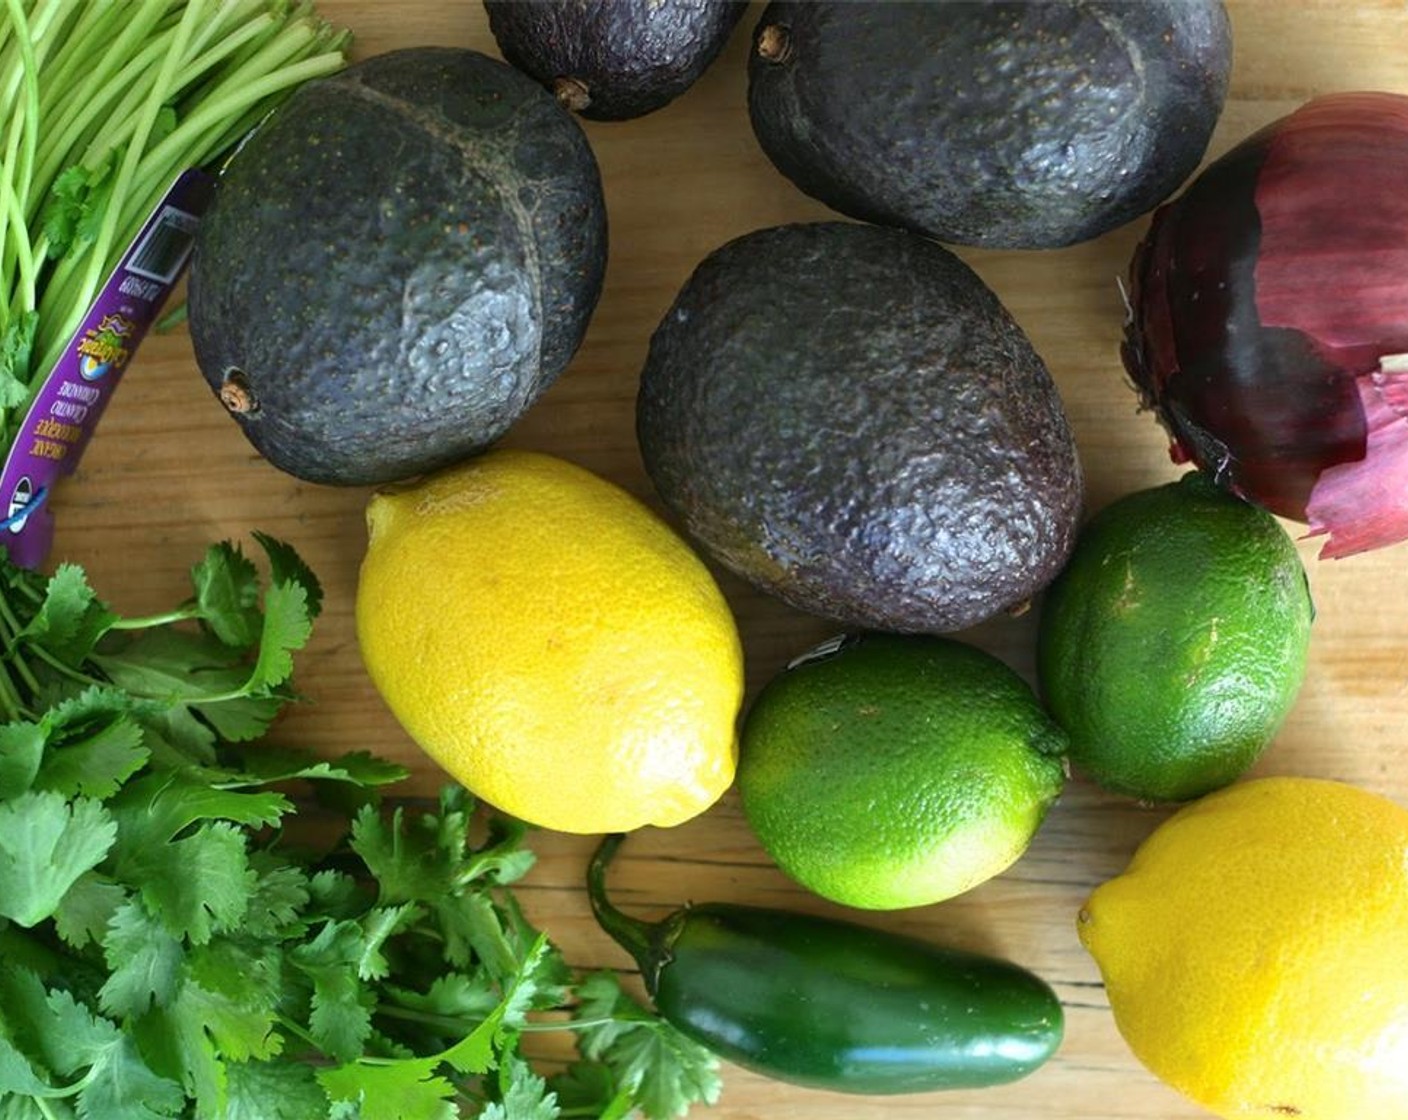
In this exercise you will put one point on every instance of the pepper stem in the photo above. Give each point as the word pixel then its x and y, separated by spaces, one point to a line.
pixel 645 941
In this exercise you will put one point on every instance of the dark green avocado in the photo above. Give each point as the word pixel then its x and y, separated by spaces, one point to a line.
pixel 396 265
pixel 1013 125
pixel 846 416
pixel 612 60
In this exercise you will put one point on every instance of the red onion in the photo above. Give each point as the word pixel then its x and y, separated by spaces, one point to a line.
pixel 1269 319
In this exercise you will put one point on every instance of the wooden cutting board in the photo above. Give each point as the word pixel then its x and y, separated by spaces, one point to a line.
pixel 169 473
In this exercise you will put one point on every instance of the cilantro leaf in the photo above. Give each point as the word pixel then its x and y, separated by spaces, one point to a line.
pixel 410 866
pixel 502 859
pixel 288 624
pixel 26 1026
pixel 77 200
pixel 62 1036
pixel 588 1089
pixel 94 745
pixel 176 738
pixel 408 1089
pixel 665 1071
pixel 18 1075
pixel 46 843
pixel 273 1090
pixel 379 926
pixel 475 1052
pixel 157 806
pixel 145 960
pixel 281 893
pixel 227 595
pixel 199 884
pixel 455 995
pixel 74 1037
pixel 71 619
pixel 86 909
pixel 474 933
pixel 524 1095
pixel 287 567
pixel 341 1016
pixel 268 763
pixel 238 1029
pixel 124 1087
pixel 335 895
pixel 16 352
pixel 21 751
pixel 238 719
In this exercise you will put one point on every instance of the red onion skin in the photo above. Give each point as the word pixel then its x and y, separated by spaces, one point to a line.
pixel 1269 308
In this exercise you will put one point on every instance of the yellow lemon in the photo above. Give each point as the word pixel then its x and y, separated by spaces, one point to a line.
pixel 1255 951
pixel 551 643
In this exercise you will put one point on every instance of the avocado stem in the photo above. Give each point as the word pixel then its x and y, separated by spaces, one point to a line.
pixel 775 44
pixel 235 393
pixel 647 942
pixel 571 94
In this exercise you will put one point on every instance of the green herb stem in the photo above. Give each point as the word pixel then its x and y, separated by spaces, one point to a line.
pixel 295 1028
pixel 147 622
pixel 97 262
pixel 57 664
pixel 42 1105
pixel 118 67
pixel 455 1025
pixel 20 147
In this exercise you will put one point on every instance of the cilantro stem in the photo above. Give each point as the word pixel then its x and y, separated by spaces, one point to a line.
pixel 573 1024
pixel 108 230
pixel 11 627
pixel 180 614
pixel 18 166
pixel 9 697
pixel 453 1024
pixel 293 1028
pixel 59 666
pixel 43 1106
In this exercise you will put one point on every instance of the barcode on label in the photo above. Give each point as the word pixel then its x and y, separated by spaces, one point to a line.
pixel 162 252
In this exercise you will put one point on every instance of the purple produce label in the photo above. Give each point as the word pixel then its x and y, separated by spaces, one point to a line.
pixel 61 420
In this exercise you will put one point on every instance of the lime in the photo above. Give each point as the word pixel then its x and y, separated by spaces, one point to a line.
pixel 1173 645
pixel 883 771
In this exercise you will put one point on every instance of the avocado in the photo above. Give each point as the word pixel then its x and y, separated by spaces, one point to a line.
pixel 617 59
pixel 396 264
pixel 846 416
pixel 1007 125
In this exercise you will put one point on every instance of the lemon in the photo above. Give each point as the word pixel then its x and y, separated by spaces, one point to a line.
pixel 1173 644
pixel 551 643
pixel 1255 951
pixel 883 771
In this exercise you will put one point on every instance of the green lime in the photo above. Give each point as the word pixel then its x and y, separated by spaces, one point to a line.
pixel 883 771
pixel 1173 645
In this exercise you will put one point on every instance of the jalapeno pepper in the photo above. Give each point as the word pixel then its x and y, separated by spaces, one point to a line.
pixel 832 1004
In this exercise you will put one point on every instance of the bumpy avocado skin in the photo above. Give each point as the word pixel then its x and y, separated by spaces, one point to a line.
pixel 1012 125
pixel 847 417
pixel 397 264
pixel 618 59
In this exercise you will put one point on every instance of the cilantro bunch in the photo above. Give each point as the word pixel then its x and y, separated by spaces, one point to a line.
pixel 194 923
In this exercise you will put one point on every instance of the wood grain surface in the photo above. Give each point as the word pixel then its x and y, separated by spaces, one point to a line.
pixel 168 473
